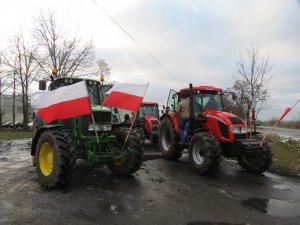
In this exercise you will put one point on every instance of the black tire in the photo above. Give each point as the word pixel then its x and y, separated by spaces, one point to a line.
pixel 129 164
pixel 58 145
pixel 205 153
pixel 139 133
pixel 257 164
pixel 168 140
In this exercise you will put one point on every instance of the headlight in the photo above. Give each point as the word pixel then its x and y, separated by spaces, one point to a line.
pixel 238 130
pixel 100 127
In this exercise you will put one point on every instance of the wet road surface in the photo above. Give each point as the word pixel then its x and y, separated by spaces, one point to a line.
pixel 284 132
pixel 161 192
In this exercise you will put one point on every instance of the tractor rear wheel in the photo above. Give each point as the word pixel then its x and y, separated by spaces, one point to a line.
pixel 256 164
pixel 168 141
pixel 131 163
pixel 55 158
pixel 205 153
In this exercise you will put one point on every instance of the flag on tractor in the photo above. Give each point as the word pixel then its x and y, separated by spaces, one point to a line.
pixel 64 103
pixel 126 96
pixel 287 110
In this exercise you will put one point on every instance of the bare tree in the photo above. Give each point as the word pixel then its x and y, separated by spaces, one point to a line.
pixel 5 84
pixel 104 69
pixel 20 62
pixel 252 87
pixel 67 54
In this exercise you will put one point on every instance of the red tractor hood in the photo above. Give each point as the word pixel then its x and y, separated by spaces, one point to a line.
pixel 225 117
pixel 150 123
pixel 222 124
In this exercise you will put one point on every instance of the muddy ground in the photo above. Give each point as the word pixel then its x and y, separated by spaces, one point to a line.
pixel 161 192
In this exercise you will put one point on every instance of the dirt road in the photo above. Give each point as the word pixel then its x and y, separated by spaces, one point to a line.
pixel 161 192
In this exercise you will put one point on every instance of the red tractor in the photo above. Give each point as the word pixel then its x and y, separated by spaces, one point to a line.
pixel 212 132
pixel 149 113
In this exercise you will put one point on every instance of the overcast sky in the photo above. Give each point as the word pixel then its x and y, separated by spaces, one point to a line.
pixel 197 41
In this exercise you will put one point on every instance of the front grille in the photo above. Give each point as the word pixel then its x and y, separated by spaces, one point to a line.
pixel 240 136
pixel 154 122
pixel 236 120
pixel 155 128
pixel 101 117
pixel 223 129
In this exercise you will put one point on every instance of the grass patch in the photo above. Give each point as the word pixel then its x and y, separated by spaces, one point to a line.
pixel 286 156
pixel 13 134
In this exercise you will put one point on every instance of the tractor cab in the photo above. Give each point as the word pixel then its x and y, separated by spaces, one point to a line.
pixel 204 98
pixel 92 87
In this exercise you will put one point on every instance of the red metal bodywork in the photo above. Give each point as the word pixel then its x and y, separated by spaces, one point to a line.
pixel 213 117
pixel 150 124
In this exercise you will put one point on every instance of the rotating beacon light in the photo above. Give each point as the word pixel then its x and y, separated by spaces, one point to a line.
pixel 102 78
pixel 54 72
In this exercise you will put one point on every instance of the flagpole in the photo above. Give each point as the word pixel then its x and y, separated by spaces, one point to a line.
pixel 134 118
pixel 267 134
pixel 94 125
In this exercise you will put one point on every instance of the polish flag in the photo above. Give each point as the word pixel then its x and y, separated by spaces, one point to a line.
pixel 287 110
pixel 64 102
pixel 126 96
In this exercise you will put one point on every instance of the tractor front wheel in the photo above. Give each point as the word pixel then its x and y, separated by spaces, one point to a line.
pixel 257 164
pixel 204 153
pixel 55 158
pixel 168 141
pixel 131 163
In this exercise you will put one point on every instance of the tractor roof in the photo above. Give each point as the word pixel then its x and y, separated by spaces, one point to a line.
pixel 203 88
pixel 149 103
pixel 74 79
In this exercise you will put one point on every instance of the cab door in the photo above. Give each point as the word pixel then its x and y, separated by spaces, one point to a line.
pixel 172 100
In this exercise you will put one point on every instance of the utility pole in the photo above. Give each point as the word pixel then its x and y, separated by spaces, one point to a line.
pixel 14 98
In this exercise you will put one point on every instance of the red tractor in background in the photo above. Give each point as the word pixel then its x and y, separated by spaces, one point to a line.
pixel 212 133
pixel 149 113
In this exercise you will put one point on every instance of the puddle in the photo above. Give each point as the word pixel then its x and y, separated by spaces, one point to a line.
pixel 213 223
pixel 281 186
pixel 273 207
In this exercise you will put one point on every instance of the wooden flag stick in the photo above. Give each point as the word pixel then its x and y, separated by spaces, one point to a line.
pixel 94 125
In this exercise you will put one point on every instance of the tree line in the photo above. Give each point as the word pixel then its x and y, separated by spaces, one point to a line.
pixel 26 61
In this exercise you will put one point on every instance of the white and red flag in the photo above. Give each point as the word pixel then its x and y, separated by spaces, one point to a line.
pixel 64 102
pixel 126 96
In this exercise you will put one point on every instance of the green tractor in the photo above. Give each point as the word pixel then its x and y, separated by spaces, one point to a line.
pixel 56 146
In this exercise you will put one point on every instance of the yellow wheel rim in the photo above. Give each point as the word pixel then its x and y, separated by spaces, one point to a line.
pixel 120 162
pixel 46 159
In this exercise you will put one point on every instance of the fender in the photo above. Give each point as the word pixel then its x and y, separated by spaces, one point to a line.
pixel 38 134
pixel 175 119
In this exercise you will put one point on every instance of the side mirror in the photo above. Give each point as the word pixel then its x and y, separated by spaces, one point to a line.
pixel 167 109
pixel 233 96
pixel 42 85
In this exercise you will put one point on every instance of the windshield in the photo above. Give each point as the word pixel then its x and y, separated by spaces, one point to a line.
pixel 146 110
pixel 103 89
pixel 93 91
pixel 208 101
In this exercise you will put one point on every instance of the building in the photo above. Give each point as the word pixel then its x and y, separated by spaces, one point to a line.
pixel 7 108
